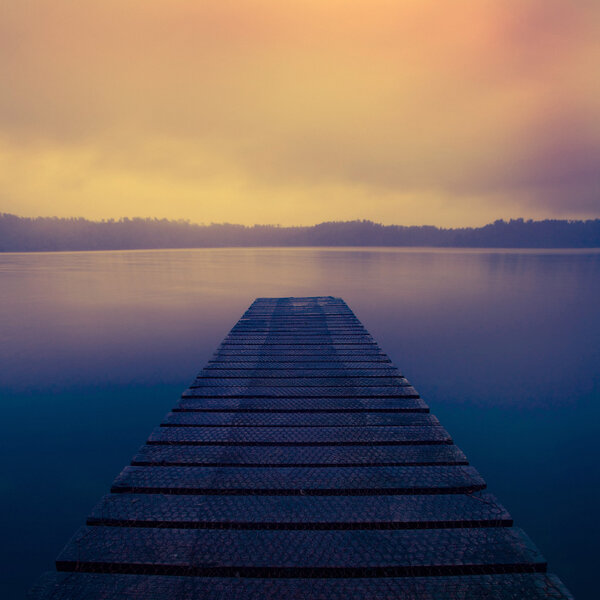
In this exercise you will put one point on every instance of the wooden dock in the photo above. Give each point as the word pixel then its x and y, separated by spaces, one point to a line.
pixel 299 464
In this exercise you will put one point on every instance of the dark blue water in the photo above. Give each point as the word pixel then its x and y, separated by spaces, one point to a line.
pixel 96 347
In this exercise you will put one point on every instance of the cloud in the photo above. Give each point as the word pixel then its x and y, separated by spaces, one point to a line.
pixel 256 110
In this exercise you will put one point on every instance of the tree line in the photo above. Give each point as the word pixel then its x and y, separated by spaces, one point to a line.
pixel 22 234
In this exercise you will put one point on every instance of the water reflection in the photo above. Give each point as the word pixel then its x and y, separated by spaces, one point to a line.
pixel 504 346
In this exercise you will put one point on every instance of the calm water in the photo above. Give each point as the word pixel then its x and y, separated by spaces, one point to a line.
pixel 504 346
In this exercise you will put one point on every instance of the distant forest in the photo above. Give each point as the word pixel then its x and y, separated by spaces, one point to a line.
pixel 20 234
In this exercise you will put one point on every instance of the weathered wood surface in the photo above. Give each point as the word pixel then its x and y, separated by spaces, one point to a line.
pixel 300 463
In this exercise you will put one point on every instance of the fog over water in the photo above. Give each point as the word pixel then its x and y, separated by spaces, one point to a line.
pixel 503 345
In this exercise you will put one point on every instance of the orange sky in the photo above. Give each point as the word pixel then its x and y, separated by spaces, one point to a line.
pixel 301 111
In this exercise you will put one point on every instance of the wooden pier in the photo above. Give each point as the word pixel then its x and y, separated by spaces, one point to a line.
pixel 299 464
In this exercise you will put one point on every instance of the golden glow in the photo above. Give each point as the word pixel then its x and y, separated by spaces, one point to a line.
pixel 296 112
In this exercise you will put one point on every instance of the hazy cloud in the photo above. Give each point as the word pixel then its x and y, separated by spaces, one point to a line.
pixel 301 111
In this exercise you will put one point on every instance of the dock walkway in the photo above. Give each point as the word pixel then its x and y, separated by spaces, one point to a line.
pixel 300 463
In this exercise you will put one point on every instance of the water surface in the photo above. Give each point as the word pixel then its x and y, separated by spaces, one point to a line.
pixel 503 345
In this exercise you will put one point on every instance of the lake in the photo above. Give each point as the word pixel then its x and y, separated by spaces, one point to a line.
pixel 504 346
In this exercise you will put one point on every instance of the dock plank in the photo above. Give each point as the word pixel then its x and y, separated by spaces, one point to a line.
pixel 100 586
pixel 316 353
pixel 302 404
pixel 308 456
pixel 267 391
pixel 456 479
pixel 280 436
pixel 228 419
pixel 290 371
pixel 301 512
pixel 297 553
pixel 256 381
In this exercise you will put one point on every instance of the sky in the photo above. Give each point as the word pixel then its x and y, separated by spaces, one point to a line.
pixel 301 111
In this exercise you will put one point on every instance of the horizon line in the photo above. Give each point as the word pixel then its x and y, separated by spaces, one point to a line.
pixel 279 225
